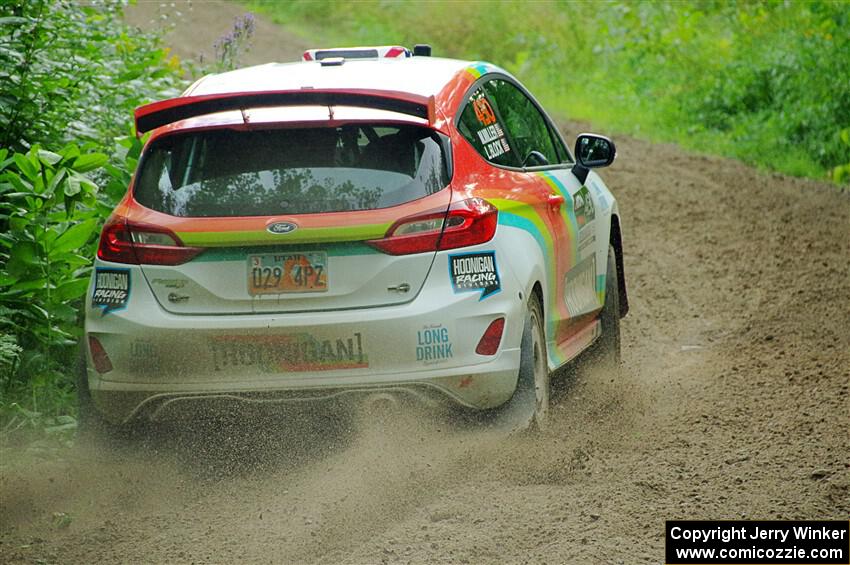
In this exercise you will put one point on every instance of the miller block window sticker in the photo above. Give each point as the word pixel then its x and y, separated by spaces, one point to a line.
pixel 491 136
pixel 475 272
pixel 493 140
pixel 111 289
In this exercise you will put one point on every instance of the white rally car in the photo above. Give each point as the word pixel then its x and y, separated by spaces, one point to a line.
pixel 355 223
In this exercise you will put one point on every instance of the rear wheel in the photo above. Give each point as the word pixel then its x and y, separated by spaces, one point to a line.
pixel 533 360
pixel 529 406
pixel 92 427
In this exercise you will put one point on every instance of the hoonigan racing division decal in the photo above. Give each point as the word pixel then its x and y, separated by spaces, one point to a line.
pixel 475 271
pixel 111 289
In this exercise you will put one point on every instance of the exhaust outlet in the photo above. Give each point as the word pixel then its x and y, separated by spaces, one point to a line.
pixel 381 402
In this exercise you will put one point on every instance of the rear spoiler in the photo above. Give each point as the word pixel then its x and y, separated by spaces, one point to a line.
pixel 158 114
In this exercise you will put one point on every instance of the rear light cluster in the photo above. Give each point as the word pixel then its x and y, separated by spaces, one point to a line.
pixel 489 343
pixel 141 244
pixel 100 359
pixel 468 222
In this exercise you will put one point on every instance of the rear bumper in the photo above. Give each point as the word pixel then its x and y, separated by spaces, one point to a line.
pixel 125 405
pixel 424 348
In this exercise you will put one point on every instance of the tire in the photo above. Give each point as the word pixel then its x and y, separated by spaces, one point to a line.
pixel 92 428
pixel 534 365
pixel 528 408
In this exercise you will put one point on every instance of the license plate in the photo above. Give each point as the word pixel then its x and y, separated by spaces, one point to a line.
pixel 277 273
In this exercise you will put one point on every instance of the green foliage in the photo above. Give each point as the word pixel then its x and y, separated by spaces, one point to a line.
pixel 10 351
pixel 52 211
pixel 50 206
pixel 74 71
pixel 841 173
pixel 70 75
pixel 761 81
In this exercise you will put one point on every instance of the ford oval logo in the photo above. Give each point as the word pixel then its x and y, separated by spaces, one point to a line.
pixel 281 227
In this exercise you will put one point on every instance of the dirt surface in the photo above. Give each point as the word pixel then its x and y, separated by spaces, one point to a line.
pixel 734 402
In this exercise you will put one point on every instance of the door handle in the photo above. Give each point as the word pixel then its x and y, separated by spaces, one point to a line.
pixel 555 200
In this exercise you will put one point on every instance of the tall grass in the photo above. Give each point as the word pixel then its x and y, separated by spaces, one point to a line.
pixel 765 82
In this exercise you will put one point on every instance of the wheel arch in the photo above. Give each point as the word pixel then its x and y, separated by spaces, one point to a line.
pixel 617 241
pixel 537 290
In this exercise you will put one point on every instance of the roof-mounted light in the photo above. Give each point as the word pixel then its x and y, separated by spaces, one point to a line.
pixel 379 52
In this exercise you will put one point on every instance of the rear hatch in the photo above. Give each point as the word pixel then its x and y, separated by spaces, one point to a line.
pixel 282 214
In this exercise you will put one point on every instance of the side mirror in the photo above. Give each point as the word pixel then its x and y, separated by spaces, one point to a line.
pixel 594 151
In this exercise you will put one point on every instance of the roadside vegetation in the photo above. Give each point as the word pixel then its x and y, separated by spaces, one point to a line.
pixel 764 82
pixel 70 75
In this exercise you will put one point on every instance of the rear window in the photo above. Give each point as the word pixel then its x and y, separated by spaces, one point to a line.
pixel 290 171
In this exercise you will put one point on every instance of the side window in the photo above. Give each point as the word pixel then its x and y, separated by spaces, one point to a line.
pixel 563 154
pixel 526 127
pixel 481 127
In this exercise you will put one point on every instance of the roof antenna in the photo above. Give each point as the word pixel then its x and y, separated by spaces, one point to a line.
pixel 421 50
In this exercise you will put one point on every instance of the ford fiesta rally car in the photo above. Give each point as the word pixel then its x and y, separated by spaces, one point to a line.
pixel 364 221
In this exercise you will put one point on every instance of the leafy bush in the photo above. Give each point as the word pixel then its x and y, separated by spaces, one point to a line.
pixel 53 211
pixel 49 204
pixel 70 76
pixel 75 71
pixel 841 173
pixel 761 81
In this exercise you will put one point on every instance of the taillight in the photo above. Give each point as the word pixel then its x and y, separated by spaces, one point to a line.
pixel 468 222
pixel 141 244
pixel 489 343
